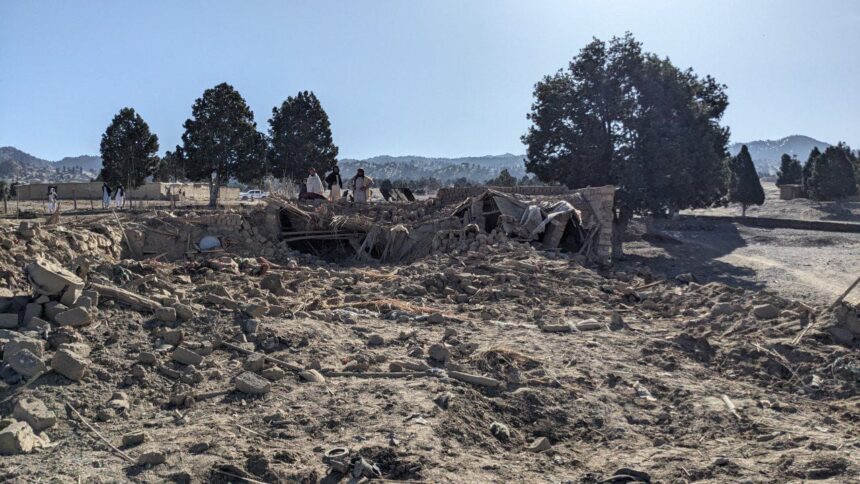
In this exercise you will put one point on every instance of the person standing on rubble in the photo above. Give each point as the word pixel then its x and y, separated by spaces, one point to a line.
pixel 335 184
pixel 314 184
pixel 119 197
pixel 360 186
pixel 106 193
pixel 52 199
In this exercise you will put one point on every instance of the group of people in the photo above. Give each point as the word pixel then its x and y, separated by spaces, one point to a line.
pixel 360 185
pixel 118 196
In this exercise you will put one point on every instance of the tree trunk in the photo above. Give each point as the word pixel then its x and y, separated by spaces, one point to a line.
pixel 743 210
pixel 214 184
pixel 619 226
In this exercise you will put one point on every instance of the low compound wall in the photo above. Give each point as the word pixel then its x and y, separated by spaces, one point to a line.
pixel 149 191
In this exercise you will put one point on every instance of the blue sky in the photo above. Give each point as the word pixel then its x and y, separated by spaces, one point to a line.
pixel 405 77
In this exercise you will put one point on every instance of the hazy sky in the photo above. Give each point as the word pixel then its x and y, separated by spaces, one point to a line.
pixel 443 78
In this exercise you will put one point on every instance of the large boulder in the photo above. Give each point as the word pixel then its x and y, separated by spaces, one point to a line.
pixel 18 438
pixel 34 412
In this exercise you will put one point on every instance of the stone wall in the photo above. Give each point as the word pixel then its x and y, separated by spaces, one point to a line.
pixel 601 201
pixel 149 191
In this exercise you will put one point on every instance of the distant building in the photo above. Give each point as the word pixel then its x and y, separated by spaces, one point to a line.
pixel 790 192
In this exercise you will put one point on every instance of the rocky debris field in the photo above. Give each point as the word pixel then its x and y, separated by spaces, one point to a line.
pixel 500 364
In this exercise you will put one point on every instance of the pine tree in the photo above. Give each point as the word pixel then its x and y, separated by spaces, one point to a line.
pixel 807 168
pixel 790 171
pixel 745 187
pixel 832 175
pixel 128 150
pixel 505 179
pixel 624 117
pixel 301 138
pixel 221 140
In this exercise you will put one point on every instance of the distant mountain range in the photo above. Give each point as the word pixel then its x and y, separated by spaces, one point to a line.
pixel 766 154
pixel 26 160
pixel 474 168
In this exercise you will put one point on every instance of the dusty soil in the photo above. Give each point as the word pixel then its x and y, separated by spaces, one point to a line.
pixel 799 208
pixel 655 385
pixel 811 266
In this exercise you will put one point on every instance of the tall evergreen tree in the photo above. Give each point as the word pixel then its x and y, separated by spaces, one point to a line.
pixel 505 179
pixel 745 187
pixel 301 138
pixel 128 150
pixel 221 140
pixel 790 171
pixel 172 166
pixel 807 168
pixel 621 116
pixel 832 175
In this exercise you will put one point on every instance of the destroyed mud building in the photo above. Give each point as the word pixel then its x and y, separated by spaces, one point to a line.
pixel 477 337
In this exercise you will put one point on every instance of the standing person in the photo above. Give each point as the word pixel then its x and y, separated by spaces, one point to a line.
pixel 106 193
pixel 314 184
pixel 361 186
pixel 119 197
pixel 52 199
pixel 335 184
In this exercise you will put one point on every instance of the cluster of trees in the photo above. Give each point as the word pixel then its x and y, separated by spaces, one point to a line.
pixel 221 142
pixel 833 174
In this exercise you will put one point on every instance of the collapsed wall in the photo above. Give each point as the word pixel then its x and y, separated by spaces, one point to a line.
pixel 577 222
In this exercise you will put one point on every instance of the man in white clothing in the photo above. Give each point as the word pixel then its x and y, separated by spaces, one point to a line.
pixel 314 184
pixel 361 185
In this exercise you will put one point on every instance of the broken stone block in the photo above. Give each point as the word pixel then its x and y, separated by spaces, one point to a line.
pixel 18 438
pixel 21 341
pixel 38 324
pixel 93 297
pixel 147 358
pixel 77 347
pixel 85 302
pixel 9 320
pixel 540 444
pixel 186 356
pixel 73 317
pixel 50 279
pixel 256 310
pixel 33 310
pixel 254 363
pixel 248 382
pixel 765 311
pixel 70 296
pixel 436 318
pixel 184 312
pixel 53 308
pixel 26 364
pixel 273 373
pixel 273 283
pixel 439 352
pixel 312 376
pixel 133 438
pixel 375 340
pixel 151 459
pixel 34 412
pixel 721 308
pixel 173 337
pixel 69 364
pixel 166 314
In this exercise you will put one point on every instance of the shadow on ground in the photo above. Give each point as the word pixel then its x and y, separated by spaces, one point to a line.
pixel 672 248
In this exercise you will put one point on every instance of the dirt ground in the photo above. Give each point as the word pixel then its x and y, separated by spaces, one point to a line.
pixel 573 373
pixel 799 208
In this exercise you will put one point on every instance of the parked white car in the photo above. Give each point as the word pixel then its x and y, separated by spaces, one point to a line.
pixel 253 195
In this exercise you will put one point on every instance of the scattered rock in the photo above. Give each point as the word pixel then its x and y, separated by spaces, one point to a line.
pixel 248 382
pixel 765 311
pixel 539 445
pixel 151 459
pixel 73 317
pixel 69 364
pixel 8 320
pixel 184 312
pixel 254 363
pixel 18 438
pixel 34 412
pixel 312 376
pixel 500 431
pixel 375 340
pixel 166 314
pixel 439 352
pixel 273 373
pixel 133 438
pixel 26 364
pixel 186 357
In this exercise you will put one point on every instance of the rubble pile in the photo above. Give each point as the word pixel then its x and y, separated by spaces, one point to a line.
pixel 490 358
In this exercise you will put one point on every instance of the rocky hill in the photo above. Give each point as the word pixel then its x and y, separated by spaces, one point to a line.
pixel 766 153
